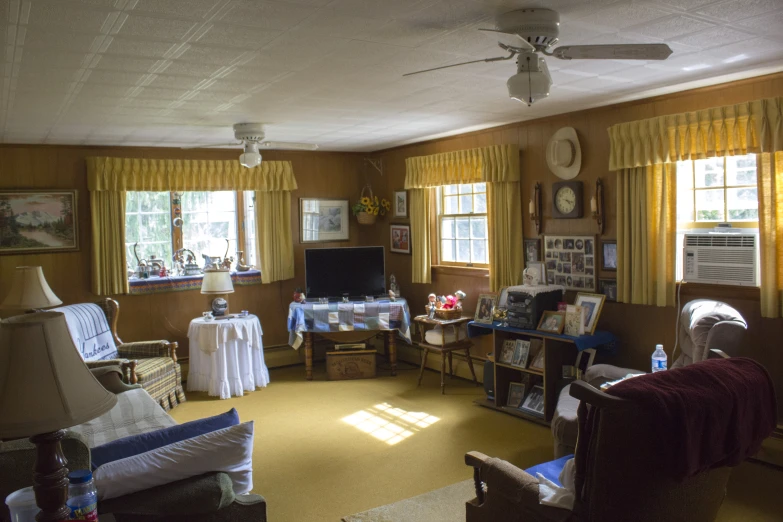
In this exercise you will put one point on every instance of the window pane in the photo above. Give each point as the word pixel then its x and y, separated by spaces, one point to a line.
pixel 449 189
pixel 153 201
pixel 480 204
pixel 479 187
pixel 447 228
pixel 447 250
pixel 741 170
pixel 250 257
pixel 709 172
pixel 209 219
pixel 684 175
pixel 465 189
pixel 463 228
pixel 709 205
pixel 743 204
pixel 479 251
pixel 465 204
pixel 131 202
pixel 478 228
pixel 463 250
pixel 684 205
pixel 450 203
pixel 148 223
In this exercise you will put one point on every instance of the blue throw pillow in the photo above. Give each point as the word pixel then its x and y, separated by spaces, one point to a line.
pixel 550 470
pixel 137 444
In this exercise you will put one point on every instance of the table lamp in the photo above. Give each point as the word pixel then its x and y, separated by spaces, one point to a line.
pixel 45 387
pixel 217 282
pixel 29 290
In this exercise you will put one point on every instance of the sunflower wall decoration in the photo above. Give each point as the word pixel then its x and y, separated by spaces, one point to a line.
pixel 370 207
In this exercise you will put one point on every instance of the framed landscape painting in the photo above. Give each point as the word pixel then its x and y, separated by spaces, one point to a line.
pixel 323 220
pixel 38 221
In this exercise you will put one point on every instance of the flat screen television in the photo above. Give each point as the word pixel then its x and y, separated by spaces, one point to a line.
pixel 351 271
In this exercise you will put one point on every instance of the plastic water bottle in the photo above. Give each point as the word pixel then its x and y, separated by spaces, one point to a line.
pixel 659 359
pixel 82 495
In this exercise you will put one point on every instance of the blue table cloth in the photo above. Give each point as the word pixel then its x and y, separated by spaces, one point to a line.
pixel 599 339
pixel 381 315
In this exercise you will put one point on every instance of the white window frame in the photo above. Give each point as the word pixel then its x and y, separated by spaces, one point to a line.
pixel 441 216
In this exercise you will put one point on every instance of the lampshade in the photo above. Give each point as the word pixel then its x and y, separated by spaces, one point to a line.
pixel 29 289
pixel 217 282
pixel 44 384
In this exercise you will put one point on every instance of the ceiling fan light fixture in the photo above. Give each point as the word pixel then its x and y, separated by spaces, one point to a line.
pixel 532 81
pixel 251 157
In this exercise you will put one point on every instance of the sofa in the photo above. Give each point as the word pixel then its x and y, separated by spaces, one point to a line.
pixel 207 497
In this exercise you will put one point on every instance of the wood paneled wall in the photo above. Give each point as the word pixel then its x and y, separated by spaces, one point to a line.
pixel 639 328
pixel 167 315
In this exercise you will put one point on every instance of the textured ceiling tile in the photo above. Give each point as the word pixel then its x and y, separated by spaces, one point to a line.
pixel 161 93
pixel 686 5
pixel 731 10
pixel 267 15
pixel 382 9
pixel 139 47
pixel 201 70
pixel 40 37
pixel 176 82
pixel 126 63
pixel 233 36
pixel 715 37
pixel 672 26
pixel 162 28
pixel 468 41
pixel 39 58
pixel 67 14
pixel 179 8
pixel 115 77
pixel 767 24
pixel 211 54
pixel 327 22
pixel 624 15
pixel 405 34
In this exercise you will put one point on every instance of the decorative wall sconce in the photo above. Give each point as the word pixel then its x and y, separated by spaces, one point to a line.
pixel 597 205
pixel 535 207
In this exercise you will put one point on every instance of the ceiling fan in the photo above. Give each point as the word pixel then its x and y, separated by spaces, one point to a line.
pixel 251 137
pixel 526 32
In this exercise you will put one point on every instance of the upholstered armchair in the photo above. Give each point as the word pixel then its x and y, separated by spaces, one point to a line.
pixel 152 364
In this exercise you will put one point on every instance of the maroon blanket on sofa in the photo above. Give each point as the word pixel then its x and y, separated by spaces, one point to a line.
pixel 710 414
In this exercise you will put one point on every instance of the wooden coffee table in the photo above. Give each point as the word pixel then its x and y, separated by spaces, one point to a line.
pixel 445 349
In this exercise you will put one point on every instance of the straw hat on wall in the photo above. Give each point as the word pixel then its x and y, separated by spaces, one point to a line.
pixel 563 154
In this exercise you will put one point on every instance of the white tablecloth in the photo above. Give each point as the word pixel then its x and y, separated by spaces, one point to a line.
pixel 226 356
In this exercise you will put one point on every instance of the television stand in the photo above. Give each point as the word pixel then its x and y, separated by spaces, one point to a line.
pixel 340 337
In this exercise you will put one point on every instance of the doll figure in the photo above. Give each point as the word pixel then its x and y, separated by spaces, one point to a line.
pixel 460 295
pixel 299 296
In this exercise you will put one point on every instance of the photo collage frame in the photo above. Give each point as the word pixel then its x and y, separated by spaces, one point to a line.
pixel 571 261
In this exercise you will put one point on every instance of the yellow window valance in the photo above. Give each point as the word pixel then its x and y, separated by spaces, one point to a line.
pixel 744 128
pixel 498 163
pixel 143 174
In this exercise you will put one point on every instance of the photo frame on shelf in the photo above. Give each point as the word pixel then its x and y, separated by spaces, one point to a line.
pixel 516 392
pixel 570 261
pixel 322 220
pixel 534 401
pixel 532 250
pixel 521 352
pixel 400 238
pixel 608 287
pixel 592 305
pixel 538 352
pixel 400 203
pixel 609 255
pixel 574 321
pixel 552 322
pixel 39 221
pixel 486 303
pixel 507 352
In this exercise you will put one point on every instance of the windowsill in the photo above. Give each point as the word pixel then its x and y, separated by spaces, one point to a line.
pixel 154 285
pixel 463 271
pixel 720 292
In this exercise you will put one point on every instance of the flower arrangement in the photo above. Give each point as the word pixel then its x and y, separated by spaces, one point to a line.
pixel 369 207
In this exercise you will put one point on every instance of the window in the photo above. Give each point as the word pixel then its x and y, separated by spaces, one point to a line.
pixel 462 220
pixel 715 190
pixel 208 219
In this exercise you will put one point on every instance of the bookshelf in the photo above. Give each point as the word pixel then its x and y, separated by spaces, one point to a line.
pixel 558 350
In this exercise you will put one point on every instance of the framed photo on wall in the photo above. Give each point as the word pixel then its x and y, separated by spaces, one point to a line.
pixel 323 220
pixel 609 255
pixel 401 203
pixel 532 250
pixel 571 261
pixel 608 287
pixel 400 239
pixel 38 221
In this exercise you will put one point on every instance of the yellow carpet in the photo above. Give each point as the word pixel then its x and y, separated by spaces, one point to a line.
pixel 311 465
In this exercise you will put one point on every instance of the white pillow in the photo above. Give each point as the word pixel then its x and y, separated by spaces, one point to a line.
pixel 435 336
pixel 229 450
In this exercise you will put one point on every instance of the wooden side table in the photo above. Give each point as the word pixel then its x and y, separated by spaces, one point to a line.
pixel 445 349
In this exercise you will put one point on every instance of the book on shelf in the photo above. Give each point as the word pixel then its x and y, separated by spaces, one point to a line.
pixel 534 401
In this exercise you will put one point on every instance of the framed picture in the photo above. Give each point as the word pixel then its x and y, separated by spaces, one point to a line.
pixel 537 348
pixel 609 255
pixel 400 239
pixel 574 321
pixel 592 304
pixel 323 220
pixel 507 353
pixel 534 402
pixel 400 203
pixel 608 287
pixel 521 353
pixel 552 322
pixel 532 250
pixel 38 221
pixel 516 392
pixel 570 261
pixel 484 308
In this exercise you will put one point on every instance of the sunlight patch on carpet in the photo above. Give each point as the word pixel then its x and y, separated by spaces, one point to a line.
pixel 388 424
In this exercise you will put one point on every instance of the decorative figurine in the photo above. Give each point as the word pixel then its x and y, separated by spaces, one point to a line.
pixel 531 277
pixel 451 302
pixel 393 287
pixel 226 264
pixel 440 302
pixel 299 297
pixel 392 297
pixel 162 272
pixel 460 295
pixel 208 265
pixel 433 299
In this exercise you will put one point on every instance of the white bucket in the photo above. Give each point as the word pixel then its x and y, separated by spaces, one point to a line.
pixel 21 504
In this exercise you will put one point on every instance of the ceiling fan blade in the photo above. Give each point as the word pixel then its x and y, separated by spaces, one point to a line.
pixel 496 59
pixel 232 144
pixel 511 39
pixel 613 52
pixel 287 145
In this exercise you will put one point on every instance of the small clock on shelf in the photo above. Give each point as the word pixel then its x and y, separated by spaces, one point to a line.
pixel 567 199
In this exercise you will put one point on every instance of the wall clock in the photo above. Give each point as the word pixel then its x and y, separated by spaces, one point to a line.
pixel 567 199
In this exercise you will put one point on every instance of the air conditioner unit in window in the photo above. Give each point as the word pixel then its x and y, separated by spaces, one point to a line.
pixel 724 259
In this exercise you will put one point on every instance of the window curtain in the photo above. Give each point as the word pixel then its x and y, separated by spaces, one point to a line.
pixel 498 166
pixel 273 240
pixel 109 178
pixel 646 234
pixel 770 191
